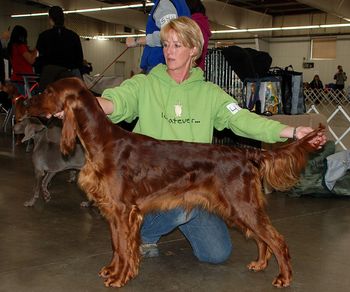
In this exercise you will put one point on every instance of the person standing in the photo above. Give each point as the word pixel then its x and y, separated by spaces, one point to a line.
pixel 21 57
pixel 340 78
pixel 60 50
pixel 198 14
pixel 162 12
pixel 5 101
pixel 4 39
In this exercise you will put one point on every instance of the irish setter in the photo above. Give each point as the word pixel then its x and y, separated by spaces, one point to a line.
pixel 128 175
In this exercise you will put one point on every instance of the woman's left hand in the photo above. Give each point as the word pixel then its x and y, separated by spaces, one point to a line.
pixel 297 133
pixel 316 142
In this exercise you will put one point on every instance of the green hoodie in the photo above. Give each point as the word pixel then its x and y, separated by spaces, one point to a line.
pixel 188 111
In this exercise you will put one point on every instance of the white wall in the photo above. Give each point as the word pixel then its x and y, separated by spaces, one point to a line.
pixel 292 52
pixel 102 53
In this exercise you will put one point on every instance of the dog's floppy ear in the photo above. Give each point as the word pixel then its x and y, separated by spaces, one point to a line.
pixel 69 134
pixel 31 129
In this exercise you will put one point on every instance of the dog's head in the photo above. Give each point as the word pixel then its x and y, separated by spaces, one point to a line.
pixel 54 98
pixel 29 127
pixel 62 95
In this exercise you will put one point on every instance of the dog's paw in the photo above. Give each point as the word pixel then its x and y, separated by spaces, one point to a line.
pixel 119 281
pixel 281 282
pixel 86 204
pixel 257 266
pixel 30 203
pixel 72 176
pixel 111 282
pixel 105 272
pixel 46 196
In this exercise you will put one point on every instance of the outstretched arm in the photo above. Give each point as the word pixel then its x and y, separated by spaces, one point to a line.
pixel 297 133
pixel 106 104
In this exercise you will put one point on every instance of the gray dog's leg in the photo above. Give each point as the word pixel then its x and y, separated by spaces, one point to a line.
pixel 44 184
pixel 38 178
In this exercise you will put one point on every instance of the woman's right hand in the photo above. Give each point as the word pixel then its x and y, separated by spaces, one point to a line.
pixel 106 105
pixel 59 115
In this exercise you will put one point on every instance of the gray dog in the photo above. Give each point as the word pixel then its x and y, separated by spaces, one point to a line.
pixel 47 157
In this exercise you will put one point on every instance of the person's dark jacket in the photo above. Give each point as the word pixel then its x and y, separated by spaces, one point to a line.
pixel 316 84
pixel 59 46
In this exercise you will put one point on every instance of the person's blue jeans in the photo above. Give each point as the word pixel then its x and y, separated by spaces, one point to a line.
pixel 206 232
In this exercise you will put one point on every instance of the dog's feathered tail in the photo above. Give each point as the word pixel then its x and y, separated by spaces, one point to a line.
pixel 281 168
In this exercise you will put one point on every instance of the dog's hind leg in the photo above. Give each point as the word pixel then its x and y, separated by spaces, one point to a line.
pixel 268 239
pixel 264 254
pixel 250 215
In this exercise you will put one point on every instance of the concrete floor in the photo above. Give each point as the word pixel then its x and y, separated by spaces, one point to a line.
pixel 59 246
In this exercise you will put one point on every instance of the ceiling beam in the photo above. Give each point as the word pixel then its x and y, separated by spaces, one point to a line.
pixel 340 8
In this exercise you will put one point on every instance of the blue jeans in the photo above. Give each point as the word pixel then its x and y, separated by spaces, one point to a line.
pixel 206 232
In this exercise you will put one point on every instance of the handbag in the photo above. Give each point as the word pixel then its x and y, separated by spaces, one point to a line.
pixel 262 95
pixel 292 94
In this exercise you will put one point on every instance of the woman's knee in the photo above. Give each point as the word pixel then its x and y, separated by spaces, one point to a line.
pixel 217 255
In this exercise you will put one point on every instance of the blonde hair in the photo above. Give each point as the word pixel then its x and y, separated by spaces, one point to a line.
pixel 188 32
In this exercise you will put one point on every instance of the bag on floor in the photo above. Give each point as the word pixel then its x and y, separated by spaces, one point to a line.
pixel 263 95
pixel 337 177
pixel 327 174
pixel 293 100
pixel 312 179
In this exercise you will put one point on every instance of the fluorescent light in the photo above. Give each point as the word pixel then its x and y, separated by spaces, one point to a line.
pixel 121 36
pixel 127 6
pixel 107 37
pixel 100 38
pixel 107 8
pixel 335 25
pixel 87 10
pixel 230 26
pixel 300 27
pixel 30 14
pixel 229 31
pixel 264 29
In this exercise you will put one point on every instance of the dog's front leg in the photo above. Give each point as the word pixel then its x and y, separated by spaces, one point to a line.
pixel 39 175
pixel 125 233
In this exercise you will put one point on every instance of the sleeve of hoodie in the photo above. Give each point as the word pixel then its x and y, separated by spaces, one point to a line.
pixel 228 114
pixel 163 13
pixel 125 99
